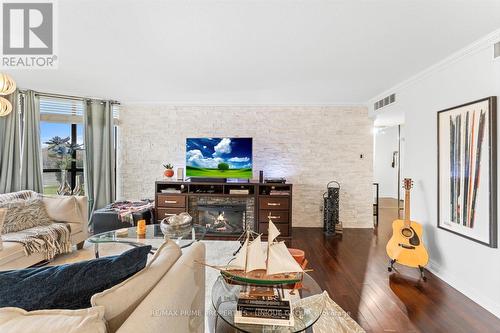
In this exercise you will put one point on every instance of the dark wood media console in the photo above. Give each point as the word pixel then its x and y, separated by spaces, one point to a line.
pixel 270 201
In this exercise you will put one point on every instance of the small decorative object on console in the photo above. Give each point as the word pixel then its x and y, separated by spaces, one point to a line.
pixel 169 170
pixel 180 174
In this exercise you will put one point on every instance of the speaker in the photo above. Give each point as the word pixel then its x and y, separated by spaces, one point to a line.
pixel 261 176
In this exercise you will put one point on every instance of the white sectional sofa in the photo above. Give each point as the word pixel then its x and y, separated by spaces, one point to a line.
pixel 72 210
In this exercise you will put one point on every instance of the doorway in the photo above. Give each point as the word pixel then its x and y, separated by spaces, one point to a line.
pixel 388 164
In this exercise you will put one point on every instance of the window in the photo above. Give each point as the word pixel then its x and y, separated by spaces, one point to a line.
pixel 63 117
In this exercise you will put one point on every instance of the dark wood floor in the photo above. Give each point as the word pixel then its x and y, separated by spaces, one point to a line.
pixel 353 269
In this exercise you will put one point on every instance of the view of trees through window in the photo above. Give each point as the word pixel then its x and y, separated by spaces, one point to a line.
pixel 51 162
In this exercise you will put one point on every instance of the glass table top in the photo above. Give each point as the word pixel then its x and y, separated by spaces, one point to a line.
pixel 153 231
pixel 307 306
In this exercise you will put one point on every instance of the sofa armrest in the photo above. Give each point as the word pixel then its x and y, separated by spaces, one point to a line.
pixel 84 211
pixel 177 302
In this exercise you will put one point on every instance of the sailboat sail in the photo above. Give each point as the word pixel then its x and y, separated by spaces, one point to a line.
pixel 273 232
pixel 239 263
pixel 280 260
pixel 256 258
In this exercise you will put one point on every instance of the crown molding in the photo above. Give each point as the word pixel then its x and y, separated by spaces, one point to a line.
pixel 239 105
pixel 477 46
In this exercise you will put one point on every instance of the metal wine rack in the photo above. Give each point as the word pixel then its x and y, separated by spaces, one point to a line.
pixel 331 207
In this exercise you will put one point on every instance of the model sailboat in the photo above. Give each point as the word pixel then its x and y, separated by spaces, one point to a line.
pixel 259 265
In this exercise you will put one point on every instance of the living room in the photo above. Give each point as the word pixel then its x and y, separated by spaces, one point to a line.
pixel 249 166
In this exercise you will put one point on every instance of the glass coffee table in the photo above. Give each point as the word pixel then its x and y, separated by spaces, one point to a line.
pixel 129 236
pixel 307 303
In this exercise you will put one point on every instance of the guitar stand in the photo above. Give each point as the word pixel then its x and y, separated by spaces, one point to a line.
pixel 392 268
pixel 422 273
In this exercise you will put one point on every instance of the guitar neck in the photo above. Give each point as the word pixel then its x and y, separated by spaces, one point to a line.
pixel 407 208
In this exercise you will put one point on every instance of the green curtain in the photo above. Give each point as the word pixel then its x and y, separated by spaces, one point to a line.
pixel 10 148
pixel 31 153
pixel 99 154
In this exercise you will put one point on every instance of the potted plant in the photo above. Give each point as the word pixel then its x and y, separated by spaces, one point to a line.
pixel 169 170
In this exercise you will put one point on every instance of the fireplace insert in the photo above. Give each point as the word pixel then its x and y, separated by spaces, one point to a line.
pixel 226 219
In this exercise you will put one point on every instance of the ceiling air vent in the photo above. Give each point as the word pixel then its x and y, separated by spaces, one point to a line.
pixel 384 102
pixel 497 50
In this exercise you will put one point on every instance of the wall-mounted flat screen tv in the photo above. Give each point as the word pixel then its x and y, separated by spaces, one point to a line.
pixel 219 158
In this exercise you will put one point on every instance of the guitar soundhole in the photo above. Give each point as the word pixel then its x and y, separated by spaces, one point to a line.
pixel 407 232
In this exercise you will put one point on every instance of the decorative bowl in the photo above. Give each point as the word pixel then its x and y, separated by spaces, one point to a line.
pixel 177 226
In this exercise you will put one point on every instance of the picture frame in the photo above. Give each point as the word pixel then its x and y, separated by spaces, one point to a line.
pixel 467 175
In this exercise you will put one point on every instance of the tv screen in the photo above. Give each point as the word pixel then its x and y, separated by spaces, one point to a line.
pixel 219 157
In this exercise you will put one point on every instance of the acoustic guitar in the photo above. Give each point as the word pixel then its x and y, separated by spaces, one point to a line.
pixel 406 246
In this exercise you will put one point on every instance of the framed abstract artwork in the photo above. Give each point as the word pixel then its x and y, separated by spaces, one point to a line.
pixel 467 170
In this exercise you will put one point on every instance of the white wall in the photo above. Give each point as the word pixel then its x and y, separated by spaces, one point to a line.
pixel 385 143
pixel 472 74
pixel 310 146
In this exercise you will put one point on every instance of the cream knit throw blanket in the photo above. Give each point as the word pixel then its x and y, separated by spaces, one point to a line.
pixel 49 240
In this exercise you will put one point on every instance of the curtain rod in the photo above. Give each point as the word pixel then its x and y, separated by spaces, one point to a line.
pixel 76 98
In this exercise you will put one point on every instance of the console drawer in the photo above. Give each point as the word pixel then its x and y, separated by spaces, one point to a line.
pixel 273 203
pixel 164 200
pixel 283 228
pixel 167 212
pixel 277 216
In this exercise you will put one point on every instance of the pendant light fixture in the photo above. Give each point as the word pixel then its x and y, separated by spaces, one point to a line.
pixel 5 107
pixel 7 84
pixel 7 87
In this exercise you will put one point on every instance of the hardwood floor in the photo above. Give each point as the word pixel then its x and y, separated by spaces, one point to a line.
pixel 353 269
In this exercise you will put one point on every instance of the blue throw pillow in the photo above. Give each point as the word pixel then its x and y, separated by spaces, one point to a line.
pixel 68 286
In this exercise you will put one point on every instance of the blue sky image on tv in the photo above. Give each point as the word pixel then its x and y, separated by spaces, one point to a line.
pixel 219 157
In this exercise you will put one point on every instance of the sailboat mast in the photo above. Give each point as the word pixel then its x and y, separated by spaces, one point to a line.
pixel 246 249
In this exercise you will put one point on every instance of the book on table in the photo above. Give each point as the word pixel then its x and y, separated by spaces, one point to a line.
pixel 263 306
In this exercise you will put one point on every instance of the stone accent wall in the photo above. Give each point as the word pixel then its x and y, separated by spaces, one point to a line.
pixel 310 146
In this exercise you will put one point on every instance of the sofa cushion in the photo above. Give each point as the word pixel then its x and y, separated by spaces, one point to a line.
pixel 24 194
pixel 3 211
pixel 68 286
pixel 63 208
pixel 15 320
pixel 121 300
pixel 24 214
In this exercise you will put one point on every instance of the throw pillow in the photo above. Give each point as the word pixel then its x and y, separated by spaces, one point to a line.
pixel 68 286
pixel 24 214
pixel 121 299
pixel 3 211
pixel 15 320
pixel 63 208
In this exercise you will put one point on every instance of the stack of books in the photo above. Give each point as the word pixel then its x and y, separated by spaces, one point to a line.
pixel 171 190
pixel 238 191
pixel 278 192
pixel 263 306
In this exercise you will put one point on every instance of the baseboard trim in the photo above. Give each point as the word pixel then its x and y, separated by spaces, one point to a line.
pixel 485 302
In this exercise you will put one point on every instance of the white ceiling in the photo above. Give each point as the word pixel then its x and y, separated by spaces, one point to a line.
pixel 253 52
